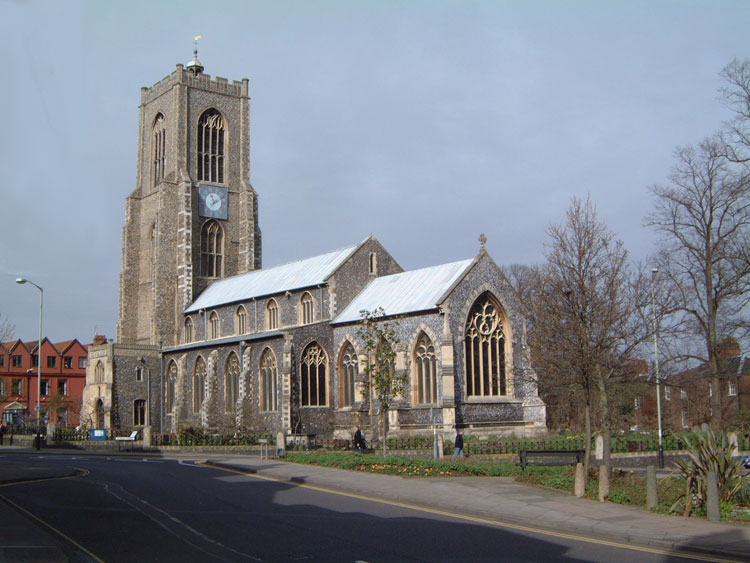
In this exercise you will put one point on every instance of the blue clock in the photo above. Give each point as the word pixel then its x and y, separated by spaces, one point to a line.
pixel 213 201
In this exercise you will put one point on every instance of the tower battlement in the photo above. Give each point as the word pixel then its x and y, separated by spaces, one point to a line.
pixel 202 81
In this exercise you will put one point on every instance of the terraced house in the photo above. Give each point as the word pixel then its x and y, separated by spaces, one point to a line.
pixel 206 337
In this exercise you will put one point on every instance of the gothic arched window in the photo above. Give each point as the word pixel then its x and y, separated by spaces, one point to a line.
pixel 347 373
pixel 313 376
pixel 99 372
pixel 211 139
pixel 268 376
pixel 199 384
pixel 213 325
pixel 425 371
pixel 240 320
pixel 158 149
pixel 484 350
pixel 212 249
pixel 307 306
pixel 272 315
pixel 188 334
pixel 139 412
pixel 231 382
pixel 171 382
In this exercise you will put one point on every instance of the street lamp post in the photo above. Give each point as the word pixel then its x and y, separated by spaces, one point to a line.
pixel 655 271
pixel 39 365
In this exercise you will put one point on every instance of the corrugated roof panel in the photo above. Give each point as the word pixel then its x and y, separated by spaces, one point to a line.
pixel 286 277
pixel 408 292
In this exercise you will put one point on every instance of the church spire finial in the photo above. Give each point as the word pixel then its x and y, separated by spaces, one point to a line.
pixel 483 242
pixel 195 65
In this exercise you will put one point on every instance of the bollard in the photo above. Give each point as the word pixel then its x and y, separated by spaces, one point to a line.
pixel 580 486
pixel 652 499
pixel 713 508
pixel 603 482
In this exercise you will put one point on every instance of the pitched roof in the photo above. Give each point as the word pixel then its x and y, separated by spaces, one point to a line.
pixel 308 272
pixel 408 292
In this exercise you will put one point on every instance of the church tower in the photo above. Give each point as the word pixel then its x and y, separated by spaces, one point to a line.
pixel 193 215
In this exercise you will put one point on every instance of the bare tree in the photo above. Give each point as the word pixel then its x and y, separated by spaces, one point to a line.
pixel 735 135
pixel 703 220
pixel 6 329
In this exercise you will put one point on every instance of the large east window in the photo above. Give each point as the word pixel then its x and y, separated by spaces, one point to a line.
pixel 313 377
pixel 211 147
pixel 212 249
pixel 484 350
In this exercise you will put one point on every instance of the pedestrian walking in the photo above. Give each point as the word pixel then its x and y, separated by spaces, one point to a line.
pixel 459 446
pixel 359 440
pixel 2 432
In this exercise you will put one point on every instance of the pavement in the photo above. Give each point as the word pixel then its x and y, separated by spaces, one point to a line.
pixel 496 500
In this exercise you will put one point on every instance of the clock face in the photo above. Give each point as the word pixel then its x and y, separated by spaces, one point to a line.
pixel 213 201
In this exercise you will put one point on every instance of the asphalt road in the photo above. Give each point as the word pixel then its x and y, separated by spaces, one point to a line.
pixel 151 509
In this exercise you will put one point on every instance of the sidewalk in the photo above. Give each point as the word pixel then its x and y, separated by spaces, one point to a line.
pixel 501 499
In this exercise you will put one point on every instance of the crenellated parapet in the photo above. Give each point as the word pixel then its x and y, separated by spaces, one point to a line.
pixel 217 85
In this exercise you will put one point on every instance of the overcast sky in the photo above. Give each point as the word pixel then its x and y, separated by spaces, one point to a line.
pixel 424 123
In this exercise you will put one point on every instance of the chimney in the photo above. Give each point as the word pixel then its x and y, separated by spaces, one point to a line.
pixel 729 348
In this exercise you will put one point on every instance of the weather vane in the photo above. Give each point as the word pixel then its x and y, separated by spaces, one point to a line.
pixel 195 42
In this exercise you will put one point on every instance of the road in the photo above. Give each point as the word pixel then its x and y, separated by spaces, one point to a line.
pixel 161 509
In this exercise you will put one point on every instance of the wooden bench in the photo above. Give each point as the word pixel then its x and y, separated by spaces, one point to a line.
pixel 131 439
pixel 550 457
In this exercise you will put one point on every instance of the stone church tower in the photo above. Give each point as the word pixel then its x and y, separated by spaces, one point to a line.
pixel 193 216
pixel 191 219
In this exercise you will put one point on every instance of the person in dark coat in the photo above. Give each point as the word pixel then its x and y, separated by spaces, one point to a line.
pixel 459 446
pixel 359 440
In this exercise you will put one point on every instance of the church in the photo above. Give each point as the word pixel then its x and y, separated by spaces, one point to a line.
pixel 208 338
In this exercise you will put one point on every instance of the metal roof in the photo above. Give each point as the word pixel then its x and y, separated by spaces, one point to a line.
pixel 408 292
pixel 259 283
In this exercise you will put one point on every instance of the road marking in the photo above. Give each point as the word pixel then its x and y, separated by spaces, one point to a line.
pixel 476 519
pixel 52 528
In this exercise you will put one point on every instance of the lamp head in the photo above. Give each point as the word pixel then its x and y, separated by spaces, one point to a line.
pixel 654 271
pixel 20 280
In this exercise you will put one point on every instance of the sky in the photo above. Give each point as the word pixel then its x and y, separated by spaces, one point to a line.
pixel 424 123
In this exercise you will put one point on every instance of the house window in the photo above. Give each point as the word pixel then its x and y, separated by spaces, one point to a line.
pixel 44 387
pixel 667 393
pixel 16 387
pixel 51 362
pixel 272 315
pixel 62 416
pixel 199 384
pixel 683 394
pixel 348 370
pixel 425 363
pixel 268 376
pixel 158 149
pixel 211 138
pixel 307 305
pixel 484 350
pixel 732 388
pixel 188 333
pixel 81 362
pixel 231 382
pixel 99 373
pixel 171 379
pixel 213 324
pixel 212 249
pixel 2 361
pixel 637 403
pixel 62 387
pixel 68 362
pixel 35 360
pixel 17 361
pixel 313 376
pixel 241 320
pixel 685 421
pixel 373 263
pixel 139 412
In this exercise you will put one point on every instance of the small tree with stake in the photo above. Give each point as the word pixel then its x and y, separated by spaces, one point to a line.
pixel 383 384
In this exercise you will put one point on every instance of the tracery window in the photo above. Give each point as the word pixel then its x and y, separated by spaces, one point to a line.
pixel 425 364
pixel 212 249
pixel 211 139
pixel 307 305
pixel 171 381
pixel 313 376
pixel 99 373
pixel 272 315
pixel 231 382
pixel 199 384
pixel 139 412
pixel 158 149
pixel 268 377
pixel 348 370
pixel 213 325
pixel 241 320
pixel 484 350
pixel 188 334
